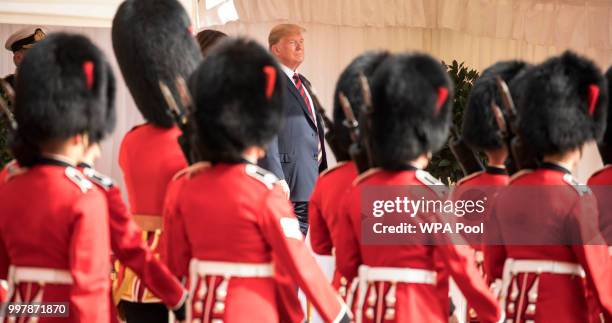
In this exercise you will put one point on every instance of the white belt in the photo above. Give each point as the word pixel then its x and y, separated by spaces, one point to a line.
pixel 227 270
pixel 513 266
pixel 389 274
pixel 36 275
pixel 545 266
pixel 39 275
pixel 395 274
pixel 231 269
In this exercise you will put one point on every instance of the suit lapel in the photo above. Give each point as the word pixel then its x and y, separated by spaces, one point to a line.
pixel 298 97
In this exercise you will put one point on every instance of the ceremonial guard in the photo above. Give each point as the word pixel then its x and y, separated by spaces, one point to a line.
pixel 229 226
pixel 153 42
pixel 601 181
pixel 552 258
pixel 334 182
pixel 125 236
pixel 54 245
pixel 128 246
pixel 485 132
pixel 412 99
pixel 481 131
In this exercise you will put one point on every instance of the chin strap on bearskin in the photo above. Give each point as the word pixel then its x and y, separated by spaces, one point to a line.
pixel 520 155
pixel 360 151
pixel 468 160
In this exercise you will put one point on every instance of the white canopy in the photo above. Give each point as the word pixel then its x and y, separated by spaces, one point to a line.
pixel 76 13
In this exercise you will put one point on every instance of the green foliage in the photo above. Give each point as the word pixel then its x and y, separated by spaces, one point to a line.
pixel 443 164
pixel 5 155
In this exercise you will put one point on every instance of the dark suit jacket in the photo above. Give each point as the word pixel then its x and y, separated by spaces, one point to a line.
pixel 292 155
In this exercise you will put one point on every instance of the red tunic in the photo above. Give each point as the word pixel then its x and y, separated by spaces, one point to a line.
pixel 601 185
pixel 233 213
pixel 129 248
pixel 149 157
pixel 4 171
pixel 490 176
pixel 486 181
pixel 323 210
pixel 3 283
pixel 62 225
pixel 551 297
pixel 126 241
pixel 413 301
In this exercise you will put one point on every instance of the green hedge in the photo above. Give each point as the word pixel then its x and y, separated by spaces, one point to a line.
pixel 5 154
pixel 443 164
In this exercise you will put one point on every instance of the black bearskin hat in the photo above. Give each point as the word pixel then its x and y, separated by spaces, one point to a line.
pixel 350 85
pixel 153 41
pixel 518 86
pixel 207 38
pixel 238 99
pixel 412 101
pixel 564 104
pixel 608 134
pixel 480 130
pixel 65 87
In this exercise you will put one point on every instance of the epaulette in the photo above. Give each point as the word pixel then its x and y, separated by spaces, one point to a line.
pixel 191 171
pixel 98 178
pixel 329 170
pixel 433 183
pixel 606 167
pixel 581 189
pixel 78 178
pixel 469 177
pixel 365 175
pixel 13 169
pixel 519 174
pixel 262 175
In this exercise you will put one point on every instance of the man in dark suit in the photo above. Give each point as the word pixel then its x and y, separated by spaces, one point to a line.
pixel 297 155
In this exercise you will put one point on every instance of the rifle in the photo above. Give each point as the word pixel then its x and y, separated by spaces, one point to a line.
pixel 5 104
pixel 468 160
pixel 521 156
pixel 366 116
pixel 180 114
pixel 356 150
pixel 360 150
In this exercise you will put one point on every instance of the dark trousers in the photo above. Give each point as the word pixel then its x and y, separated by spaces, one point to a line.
pixel 144 312
pixel 301 212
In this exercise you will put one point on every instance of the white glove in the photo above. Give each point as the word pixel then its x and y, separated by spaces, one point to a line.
pixel 285 187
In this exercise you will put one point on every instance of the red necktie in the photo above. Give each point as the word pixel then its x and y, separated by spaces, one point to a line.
pixel 300 88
